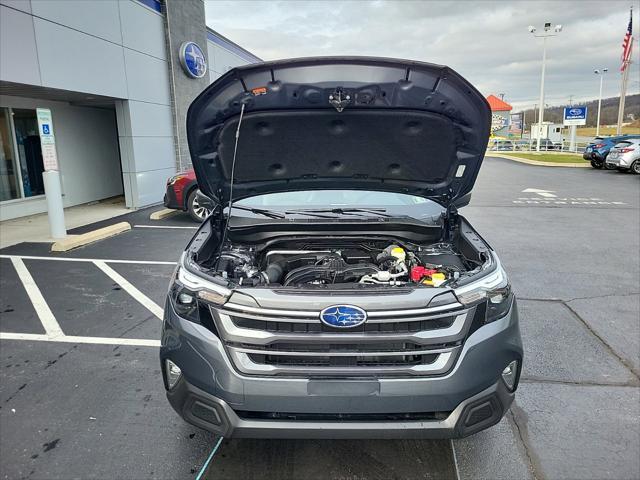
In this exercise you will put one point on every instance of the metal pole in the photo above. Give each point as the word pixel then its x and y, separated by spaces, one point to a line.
pixel 55 209
pixel 623 90
pixel 541 107
pixel 599 105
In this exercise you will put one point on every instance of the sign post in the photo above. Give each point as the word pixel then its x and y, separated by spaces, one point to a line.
pixel 574 116
pixel 51 175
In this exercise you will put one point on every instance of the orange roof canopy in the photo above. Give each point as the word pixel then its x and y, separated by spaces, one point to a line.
pixel 498 105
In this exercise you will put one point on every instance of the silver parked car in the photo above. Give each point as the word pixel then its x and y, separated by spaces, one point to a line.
pixel 625 156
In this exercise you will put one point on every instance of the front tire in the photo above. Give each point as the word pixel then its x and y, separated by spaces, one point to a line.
pixel 197 212
pixel 635 167
pixel 596 164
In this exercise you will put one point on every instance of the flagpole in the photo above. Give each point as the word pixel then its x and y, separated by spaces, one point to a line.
pixel 626 61
pixel 623 89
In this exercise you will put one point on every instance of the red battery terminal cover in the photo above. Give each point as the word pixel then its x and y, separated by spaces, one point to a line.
pixel 418 273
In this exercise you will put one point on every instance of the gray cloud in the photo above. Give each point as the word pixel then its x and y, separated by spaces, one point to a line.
pixel 486 41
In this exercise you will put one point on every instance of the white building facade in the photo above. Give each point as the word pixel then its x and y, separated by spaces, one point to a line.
pixel 110 72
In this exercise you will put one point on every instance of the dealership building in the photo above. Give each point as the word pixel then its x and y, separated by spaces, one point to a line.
pixel 117 77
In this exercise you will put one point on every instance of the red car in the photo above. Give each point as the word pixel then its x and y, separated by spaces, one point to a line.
pixel 181 195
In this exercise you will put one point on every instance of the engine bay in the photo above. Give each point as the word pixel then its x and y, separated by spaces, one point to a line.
pixel 311 263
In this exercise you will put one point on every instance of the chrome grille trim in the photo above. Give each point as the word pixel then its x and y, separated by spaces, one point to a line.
pixel 289 353
pixel 269 313
pixel 244 363
pixel 265 318
pixel 232 333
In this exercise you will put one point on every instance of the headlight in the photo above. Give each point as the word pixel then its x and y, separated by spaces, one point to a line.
pixel 494 288
pixel 174 179
pixel 188 291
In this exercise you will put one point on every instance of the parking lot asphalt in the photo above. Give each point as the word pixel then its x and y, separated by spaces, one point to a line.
pixel 81 394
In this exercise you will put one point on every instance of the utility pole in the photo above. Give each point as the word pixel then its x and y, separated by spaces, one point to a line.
pixel 544 35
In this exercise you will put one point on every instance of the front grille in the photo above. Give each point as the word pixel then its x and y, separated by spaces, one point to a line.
pixel 422 341
pixel 351 361
pixel 290 327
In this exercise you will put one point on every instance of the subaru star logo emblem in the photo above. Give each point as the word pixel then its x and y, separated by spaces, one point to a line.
pixel 193 60
pixel 343 316
pixel 575 111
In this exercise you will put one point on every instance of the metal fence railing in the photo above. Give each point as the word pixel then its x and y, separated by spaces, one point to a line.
pixel 527 145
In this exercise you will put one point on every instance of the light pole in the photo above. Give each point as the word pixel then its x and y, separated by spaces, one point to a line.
pixel 547 32
pixel 601 74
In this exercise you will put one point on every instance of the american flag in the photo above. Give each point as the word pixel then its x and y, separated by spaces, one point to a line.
pixel 626 44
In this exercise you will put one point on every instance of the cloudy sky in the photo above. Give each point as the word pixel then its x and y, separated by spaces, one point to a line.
pixel 486 41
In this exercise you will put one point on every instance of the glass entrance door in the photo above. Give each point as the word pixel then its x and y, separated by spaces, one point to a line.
pixel 9 185
pixel 29 151
pixel 21 163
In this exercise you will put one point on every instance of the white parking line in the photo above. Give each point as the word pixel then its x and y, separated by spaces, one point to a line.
pixel 68 259
pixel 166 226
pixel 145 301
pixel 136 342
pixel 43 311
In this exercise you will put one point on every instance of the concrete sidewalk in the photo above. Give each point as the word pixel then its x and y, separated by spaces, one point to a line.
pixel 535 162
pixel 35 228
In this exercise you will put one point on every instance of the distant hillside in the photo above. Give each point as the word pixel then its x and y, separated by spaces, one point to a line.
pixel 608 115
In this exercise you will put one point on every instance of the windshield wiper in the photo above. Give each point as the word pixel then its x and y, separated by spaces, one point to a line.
pixel 346 211
pixel 260 211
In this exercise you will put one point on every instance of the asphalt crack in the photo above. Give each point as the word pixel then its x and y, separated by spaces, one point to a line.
pixel 516 414
pixel 611 350
pixel 561 300
pixel 524 379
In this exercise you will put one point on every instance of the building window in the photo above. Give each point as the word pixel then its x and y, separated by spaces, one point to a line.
pixel 21 164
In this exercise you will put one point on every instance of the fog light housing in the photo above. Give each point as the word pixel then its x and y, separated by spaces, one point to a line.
pixel 173 373
pixel 510 375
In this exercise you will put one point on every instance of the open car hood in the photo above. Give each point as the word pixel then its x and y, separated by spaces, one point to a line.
pixel 340 123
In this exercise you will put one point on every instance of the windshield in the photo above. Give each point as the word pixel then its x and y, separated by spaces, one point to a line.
pixel 392 203
pixel 332 198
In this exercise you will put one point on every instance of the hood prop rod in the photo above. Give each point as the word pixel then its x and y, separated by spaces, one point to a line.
pixel 233 171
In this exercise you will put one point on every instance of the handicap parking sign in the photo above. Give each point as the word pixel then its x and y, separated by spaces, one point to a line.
pixel 46 130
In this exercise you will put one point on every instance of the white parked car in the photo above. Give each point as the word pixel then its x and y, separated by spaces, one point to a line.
pixel 625 156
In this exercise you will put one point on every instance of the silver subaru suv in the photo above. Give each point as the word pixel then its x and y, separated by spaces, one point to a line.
pixel 335 291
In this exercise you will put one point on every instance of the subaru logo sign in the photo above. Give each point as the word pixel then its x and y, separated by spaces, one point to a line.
pixel 575 111
pixel 343 316
pixel 193 60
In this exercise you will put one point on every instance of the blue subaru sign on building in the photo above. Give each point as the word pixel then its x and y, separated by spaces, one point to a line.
pixel 193 60
pixel 575 115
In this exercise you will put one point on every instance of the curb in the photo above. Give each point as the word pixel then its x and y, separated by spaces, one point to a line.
pixel 74 241
pixel 164 213
pixel 540 164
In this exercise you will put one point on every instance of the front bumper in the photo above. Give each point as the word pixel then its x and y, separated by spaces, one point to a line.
pixel 213 395
pixel 206 411
pixel 170 199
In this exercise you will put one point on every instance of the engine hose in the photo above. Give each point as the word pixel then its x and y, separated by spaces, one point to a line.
pixel 275 270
